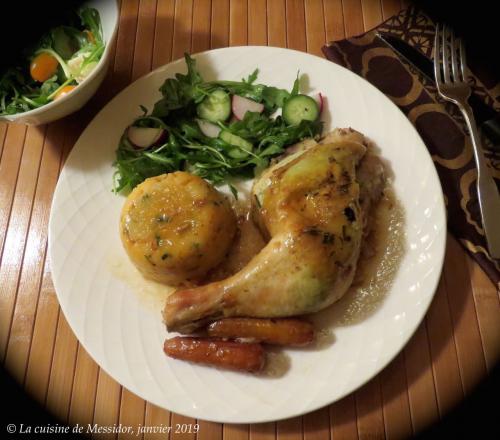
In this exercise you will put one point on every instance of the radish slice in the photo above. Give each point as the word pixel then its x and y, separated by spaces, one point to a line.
pixel 242 105
pixel 208 129
pixel 144 137
pixel 320 100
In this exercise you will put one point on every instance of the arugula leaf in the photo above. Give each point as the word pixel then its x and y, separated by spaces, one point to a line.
pixel 296 86
pixel 180 91
pixel 252 77
pixel 274 98
pixel 192 77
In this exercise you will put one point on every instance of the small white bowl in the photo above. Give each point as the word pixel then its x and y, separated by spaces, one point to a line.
pixel 70 103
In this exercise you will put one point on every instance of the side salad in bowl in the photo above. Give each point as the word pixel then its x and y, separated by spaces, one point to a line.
pixel 57 70
pixel 218 130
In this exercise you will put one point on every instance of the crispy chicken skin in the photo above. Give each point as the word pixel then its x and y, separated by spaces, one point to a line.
pixel 313 209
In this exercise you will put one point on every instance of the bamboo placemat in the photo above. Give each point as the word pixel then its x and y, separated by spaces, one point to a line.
pixel 455 347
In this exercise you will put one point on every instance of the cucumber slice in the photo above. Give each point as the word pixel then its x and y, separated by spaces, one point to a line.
pixel 215 107
pixel 300 108
pixel 243 146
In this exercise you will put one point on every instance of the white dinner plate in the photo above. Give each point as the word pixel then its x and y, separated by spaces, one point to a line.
pixel 118 318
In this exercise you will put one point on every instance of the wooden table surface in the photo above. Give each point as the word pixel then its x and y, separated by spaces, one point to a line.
pixel 453 349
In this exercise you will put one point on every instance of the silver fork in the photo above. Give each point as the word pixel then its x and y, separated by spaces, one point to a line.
pixel 451 79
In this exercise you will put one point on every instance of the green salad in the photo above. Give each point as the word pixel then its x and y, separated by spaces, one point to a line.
pixel 54 66
pixel 218 130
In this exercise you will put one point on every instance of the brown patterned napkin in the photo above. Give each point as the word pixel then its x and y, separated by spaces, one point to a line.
pixel 440 124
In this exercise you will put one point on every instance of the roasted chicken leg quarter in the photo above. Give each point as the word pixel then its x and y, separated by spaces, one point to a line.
pixel 313 208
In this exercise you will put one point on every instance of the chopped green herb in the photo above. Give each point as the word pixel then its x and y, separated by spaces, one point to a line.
pixel 350 214
pixel 257 201
pixel 311 230
pixel 158 240
pixel 148 257
pixel 328 238
pixel 163 218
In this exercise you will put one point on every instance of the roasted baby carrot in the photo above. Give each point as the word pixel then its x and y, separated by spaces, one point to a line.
pixel 216 352
pixel 286 331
